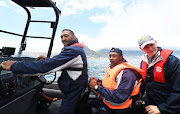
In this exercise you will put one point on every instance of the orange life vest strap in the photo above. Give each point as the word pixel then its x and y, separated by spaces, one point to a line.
pixel 126 104
pixel 144 68
pixel 136 89
pixel 159 67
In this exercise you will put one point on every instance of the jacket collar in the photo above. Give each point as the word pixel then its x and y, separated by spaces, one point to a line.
pixel 155 59
pixel 72 42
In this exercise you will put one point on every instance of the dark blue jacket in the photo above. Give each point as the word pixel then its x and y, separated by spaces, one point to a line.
pixel 71 56
pixel 165 96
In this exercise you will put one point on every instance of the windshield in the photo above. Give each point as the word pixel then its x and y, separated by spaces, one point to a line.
pixel 15 22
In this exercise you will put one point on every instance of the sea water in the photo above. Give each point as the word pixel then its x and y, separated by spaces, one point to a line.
pixel 98 66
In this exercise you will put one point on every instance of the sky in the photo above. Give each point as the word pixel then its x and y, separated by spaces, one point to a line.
pixel 97 23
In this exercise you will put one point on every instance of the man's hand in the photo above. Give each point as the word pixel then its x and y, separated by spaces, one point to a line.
pixel 93 78
pixel 151 109
pixel 42 57
pixel 6 65
pixel 92 83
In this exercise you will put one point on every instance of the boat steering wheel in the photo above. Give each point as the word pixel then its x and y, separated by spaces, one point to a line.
pixel 45 81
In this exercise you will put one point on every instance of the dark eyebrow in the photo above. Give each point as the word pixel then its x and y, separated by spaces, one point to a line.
pixel 64 35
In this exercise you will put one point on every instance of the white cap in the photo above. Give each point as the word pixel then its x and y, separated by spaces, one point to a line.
pixel 144 40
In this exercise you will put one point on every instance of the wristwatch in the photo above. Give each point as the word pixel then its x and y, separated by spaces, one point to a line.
pixel 96 87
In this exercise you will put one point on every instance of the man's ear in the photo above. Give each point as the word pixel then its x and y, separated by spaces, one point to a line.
pixel 121 57
pixel 156 42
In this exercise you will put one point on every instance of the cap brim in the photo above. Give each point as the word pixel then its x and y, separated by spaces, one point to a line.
pixel 148 42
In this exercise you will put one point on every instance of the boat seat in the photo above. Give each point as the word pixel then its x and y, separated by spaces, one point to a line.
pixel 82 101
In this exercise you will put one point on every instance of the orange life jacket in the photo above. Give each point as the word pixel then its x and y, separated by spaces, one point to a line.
pixel 158 68
pixel 109 82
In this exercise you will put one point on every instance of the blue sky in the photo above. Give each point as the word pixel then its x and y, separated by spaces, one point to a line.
pixel 97 23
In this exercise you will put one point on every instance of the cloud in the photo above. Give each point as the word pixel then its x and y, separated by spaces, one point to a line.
pixel 2 3
pixel 85 39
pixel 113 8
pixel 126 21
pixel 100 18
pixel 12 6
pixel 69 7
pixel 158 18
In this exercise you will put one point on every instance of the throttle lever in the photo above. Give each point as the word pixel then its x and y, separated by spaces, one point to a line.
pixel 37 59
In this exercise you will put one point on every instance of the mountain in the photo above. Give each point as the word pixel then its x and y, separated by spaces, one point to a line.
pixel 90 53
pixel 104 51
pixel 125 52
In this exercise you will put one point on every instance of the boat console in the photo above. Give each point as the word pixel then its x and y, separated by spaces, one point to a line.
pixel 17 90
pixel 20 94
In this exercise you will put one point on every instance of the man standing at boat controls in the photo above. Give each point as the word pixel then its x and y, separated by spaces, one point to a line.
pixel 71 61
pixel 161 85
pixel 119 84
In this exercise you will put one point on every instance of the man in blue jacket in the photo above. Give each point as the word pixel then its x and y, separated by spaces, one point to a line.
pixel 71 61
pixel 161 78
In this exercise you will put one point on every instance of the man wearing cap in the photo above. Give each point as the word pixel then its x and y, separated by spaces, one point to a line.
pixel 161 77
pixel 120 82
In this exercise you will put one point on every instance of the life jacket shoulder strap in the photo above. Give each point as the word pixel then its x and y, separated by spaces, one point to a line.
pixel 144 68
pixel 138 70
pixel 159 67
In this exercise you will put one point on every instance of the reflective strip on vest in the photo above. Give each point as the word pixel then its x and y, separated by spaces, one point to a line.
pixel 124 105
pixel 110 83
pixel 159 67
